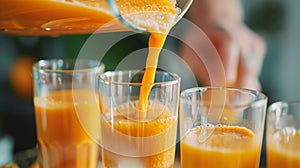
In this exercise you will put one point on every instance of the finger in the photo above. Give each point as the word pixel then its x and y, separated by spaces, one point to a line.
pixel 228 50
pixel 249 82
pixel 253 49
pixel 252 55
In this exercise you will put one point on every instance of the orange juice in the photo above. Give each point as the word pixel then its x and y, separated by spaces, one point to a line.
pixel 51 17
pixel 56 17
pixel 129 142
pixel 283 150
pixel 63 140
pixel 156 42
pixel 220 146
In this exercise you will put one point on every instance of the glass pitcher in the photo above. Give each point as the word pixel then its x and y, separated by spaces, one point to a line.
pixel 55 17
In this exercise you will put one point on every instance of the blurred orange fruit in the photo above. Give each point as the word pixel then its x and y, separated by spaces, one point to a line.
pixel 21 78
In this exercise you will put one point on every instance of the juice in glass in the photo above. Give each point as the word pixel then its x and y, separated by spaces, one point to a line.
pixel 132 137
pixel 67 112
pixel 283 150
pixel 227 147
pixel 63 141
pixel 221 127
pixel 134 142
pixel 283 135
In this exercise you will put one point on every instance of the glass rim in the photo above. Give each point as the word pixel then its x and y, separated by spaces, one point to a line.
pixel 42 65
pixel 282 103
pixel 102 78
pixel 183 5
pixel 260 97
pixel 286 102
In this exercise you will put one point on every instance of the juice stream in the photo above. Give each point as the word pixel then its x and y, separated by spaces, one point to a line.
pixel 156 42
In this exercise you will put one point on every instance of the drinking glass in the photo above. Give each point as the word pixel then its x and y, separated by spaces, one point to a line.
pixel 132 137
pixel 67 112
pixel 221 127
pixel 283 134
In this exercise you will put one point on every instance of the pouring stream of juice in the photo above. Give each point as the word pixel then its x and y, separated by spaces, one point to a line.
pixel 156 42
pixel 163 15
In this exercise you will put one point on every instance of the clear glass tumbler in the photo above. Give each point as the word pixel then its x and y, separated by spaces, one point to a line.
pixel 67 112
pixel 283 134
pixel 131 137
pixel 221 127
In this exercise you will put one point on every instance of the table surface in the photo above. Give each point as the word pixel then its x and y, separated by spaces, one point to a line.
pixel 27 157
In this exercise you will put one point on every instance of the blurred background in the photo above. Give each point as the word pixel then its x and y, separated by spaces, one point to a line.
pixel 275 20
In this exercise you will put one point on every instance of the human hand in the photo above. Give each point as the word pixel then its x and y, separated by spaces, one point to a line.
pixel 240 49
